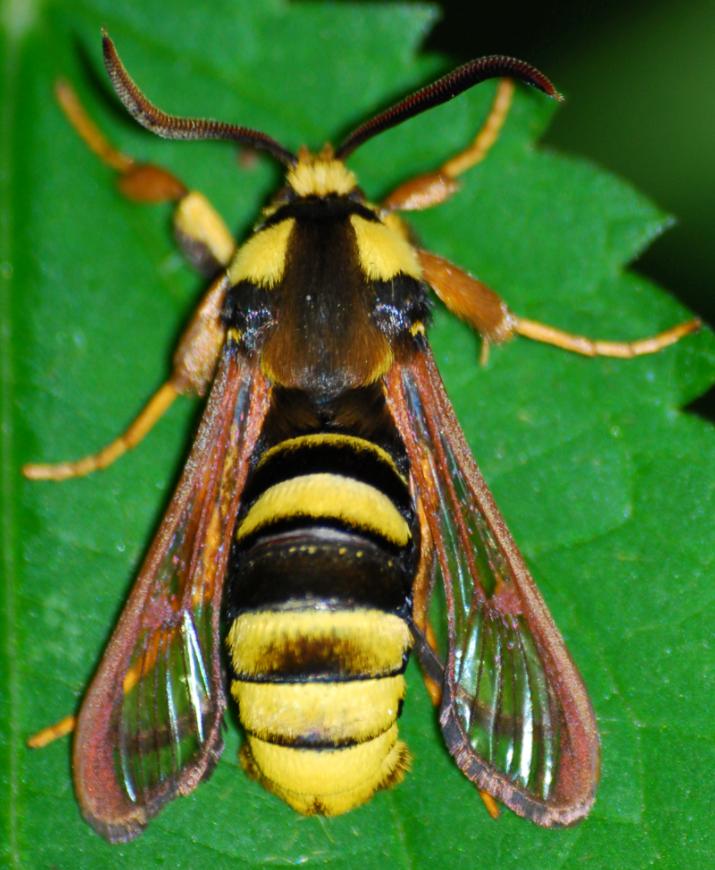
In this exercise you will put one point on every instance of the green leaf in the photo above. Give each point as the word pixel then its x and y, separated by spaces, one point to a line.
pixel 607 486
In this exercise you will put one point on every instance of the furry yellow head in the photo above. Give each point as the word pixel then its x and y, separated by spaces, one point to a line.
pixel 320 174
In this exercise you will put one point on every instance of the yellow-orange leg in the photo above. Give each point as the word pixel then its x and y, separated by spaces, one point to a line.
pixel 89 133
pixel 421 593
pixel 491 805
pixel 434 690
pixel 140 181
pixel 433 188
pixel 487 135
pixel 200 231
pixel 595 347
pixel 488 314
pixel 51 733
pixel 150 414
pixel 193 366
pixel 207 243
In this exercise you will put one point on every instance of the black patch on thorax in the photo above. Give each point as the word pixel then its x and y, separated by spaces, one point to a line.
pixel 321 208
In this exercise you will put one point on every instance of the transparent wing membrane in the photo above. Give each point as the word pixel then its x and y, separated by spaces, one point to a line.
pixel 514 711
pixel 503 698
pixel 165 717
pixel 504 701
pixel 149 727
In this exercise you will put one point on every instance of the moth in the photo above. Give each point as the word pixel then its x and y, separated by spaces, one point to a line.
pixel 328 497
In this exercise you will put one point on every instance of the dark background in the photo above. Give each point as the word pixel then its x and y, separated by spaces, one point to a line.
pixel 639 78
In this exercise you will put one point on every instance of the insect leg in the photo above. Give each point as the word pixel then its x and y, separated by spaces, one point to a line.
pixel 491 805
pixel 140 426
pixel 208 245
pixel 67 724
pixel 435 187
pixel 51 733
pixel 194 363
pixel 200 231
pixel 585 346
pixel 421 594
pixel 489 315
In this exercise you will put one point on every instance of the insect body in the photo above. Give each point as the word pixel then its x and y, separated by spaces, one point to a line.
pixel 326 542
pixel 321 584
pixel 328 492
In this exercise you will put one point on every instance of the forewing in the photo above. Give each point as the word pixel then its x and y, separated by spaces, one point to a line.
pixel 149 726
pixel 514 711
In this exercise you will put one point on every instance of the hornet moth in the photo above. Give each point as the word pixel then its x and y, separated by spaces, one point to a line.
pixel 329 491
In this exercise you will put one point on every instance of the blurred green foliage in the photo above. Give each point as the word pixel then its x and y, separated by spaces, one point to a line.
pixel 639 78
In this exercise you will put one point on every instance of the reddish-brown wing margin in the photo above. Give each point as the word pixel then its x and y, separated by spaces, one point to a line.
pixel 514 712
pixel 149 726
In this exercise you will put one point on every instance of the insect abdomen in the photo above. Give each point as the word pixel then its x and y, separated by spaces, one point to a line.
pixel 319 595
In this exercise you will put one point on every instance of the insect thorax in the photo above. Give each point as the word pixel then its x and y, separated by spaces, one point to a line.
pixel 327 287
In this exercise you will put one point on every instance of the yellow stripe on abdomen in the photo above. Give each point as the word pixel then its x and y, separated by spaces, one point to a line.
pixel 328 496
pixel 324 743
pixel 318 439
pixel 319 597
pixel 352 643
pixel 328 782
pixel 319 713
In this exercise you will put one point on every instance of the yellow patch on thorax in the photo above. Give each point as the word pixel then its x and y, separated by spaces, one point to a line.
pixel 262 258
pixel 397 224
pixel 197 219
pixel 330 496
pixel 383 252
pixel 317 176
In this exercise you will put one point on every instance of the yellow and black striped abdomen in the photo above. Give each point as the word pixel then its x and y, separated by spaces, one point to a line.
pixel 319 595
